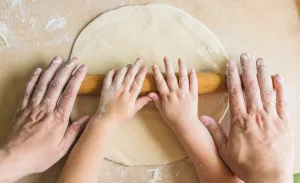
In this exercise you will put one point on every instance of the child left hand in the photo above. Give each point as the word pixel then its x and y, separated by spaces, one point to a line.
pixel 119 96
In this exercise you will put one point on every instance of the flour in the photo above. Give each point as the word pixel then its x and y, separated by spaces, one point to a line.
pixel 3 32
pixel 56 21
pixel 14 3
pixel 156 175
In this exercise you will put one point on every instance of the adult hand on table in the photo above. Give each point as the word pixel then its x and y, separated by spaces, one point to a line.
pixel 40 135
pixel 260 145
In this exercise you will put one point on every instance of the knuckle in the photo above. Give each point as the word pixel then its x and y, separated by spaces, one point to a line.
pixel 171 77
pixel 183 79
pixel 235 91
pixel 251 86
pixel 238 119
pixel 68 93
pixel 267 93
pixel 54 84
pixel 74 127
pixel 40 87
pixel 59 115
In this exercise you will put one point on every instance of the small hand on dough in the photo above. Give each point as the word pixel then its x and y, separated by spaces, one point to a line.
pixel 41 134
pixel 178 100
pixel 119 96
pixel 260 145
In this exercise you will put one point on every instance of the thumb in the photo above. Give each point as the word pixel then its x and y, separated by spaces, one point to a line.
pixel 74 130
pixel 216 131
pixel 141 102
pixel 156 99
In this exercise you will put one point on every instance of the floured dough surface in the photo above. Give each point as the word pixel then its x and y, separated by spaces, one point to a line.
pixel 117 38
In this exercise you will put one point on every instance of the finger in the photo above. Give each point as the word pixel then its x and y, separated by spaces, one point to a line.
pixel 130 76
pixel 67 98
pixel 58 83
pixel 216 131
pixel 138 82
pixel 281 98
pixel 109 78
pixel 119 78
pixel 46 77
pixel 73 131
pixel 183 76
pixel 265 85
pixel 141 102
pixel 249 78
pixel 236 97
pixel 193 82
pixel 161 83
pixel 171 78
pixel 156 99
pixel 30 88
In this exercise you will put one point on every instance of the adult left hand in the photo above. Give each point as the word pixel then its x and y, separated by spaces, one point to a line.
pixel 41 134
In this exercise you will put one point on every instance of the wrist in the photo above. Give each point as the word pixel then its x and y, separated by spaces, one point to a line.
pixel 10 170
pixel 183 126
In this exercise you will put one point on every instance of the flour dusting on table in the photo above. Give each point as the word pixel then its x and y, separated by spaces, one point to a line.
pixel 56 21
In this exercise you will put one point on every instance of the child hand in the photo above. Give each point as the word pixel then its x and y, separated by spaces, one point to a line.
pixel 119 96
pixel 178 100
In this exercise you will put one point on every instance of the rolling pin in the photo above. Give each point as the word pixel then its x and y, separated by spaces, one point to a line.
pixel 207 83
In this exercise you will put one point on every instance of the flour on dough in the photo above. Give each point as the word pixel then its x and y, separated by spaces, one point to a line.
pixel 151 32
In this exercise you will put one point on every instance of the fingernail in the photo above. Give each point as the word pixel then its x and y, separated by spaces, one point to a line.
pixel 230 63
pixel 37 71
pixel 57 60
pixel 205 120
pixel 245 56
pixel 81 68
pixel 71 62
pixel 166 58
pixel 261 62
pixel 279 78
pixel 192 70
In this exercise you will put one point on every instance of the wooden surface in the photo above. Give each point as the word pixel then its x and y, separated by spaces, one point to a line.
pixel 269 28
pixel 207 83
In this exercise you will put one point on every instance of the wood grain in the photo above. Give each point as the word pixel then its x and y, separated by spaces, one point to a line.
pixel 207 83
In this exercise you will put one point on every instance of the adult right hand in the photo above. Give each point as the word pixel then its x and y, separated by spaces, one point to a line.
pixel 260 145
pixel 40 135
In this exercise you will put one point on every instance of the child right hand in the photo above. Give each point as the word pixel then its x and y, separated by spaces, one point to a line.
pixel 178 100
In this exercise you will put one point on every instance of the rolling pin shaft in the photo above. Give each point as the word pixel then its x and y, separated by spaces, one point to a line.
pixel 207 83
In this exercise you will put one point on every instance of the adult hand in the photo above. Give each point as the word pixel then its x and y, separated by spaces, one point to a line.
pixel 178 100
pixel 40 135
pixel 119 96
pixel 260 145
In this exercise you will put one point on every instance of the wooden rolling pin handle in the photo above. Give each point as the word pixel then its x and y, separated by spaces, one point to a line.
pixel 207 83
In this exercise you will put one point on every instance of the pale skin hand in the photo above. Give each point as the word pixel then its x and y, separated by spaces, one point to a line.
pixel 40 134
pixel 178 104
pixel 119 101
pixel 260 145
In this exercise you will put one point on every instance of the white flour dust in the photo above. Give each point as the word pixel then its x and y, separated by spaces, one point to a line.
pixel 3 32
pixel 56 21
pixel 15 2
pixel 156 174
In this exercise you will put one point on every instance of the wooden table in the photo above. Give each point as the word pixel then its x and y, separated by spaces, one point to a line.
pixel 269 28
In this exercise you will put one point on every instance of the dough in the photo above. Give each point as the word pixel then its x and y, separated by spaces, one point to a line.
pixel 151 32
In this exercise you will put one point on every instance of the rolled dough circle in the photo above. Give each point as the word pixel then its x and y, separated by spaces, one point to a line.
pixel 151 32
